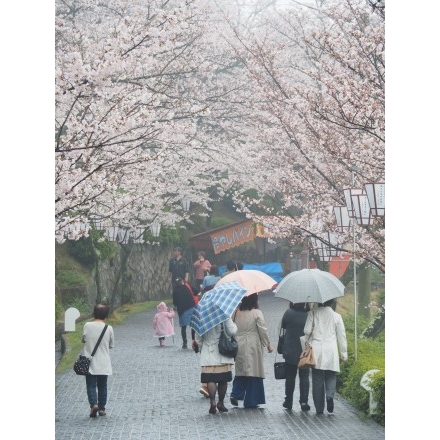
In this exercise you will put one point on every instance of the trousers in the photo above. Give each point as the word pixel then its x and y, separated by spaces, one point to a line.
pixel 304 383
pixel 97 390
pixel 323 387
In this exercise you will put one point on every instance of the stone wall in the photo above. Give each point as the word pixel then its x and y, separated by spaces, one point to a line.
pixel 135 273
pixel 144 275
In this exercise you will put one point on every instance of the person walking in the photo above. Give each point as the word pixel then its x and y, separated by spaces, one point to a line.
pixel 327 331
pixel 208 283
pixel 100 366
pixel 210 280
pixel 293 322
pixel 183 300
pixel 201 268
pixel 216 368
pixel 178 267
pixel 230 267
pixel 251 337
pixel 162 323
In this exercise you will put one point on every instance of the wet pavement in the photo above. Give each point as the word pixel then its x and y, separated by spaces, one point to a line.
pixel 153 394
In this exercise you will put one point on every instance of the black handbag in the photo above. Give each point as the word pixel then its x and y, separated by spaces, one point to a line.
pixel 281 337
pixel 82 364
pixel 227 346
pixel 279 370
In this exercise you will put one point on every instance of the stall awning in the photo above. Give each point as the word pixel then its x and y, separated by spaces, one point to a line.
pixel 227 237
pixel 338 265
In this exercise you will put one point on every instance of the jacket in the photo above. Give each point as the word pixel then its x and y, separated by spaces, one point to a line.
pixel 208 344
pixel 183 298
pixel 293 321
pixel 200 268
pixel 101 362
pixel 328 336
pixel 209 281
pixel 162 323
pixel 178 268
pixel 251 337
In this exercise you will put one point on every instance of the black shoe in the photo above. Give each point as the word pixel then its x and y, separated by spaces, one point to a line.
pixel 221 407
pixel 234 401
pixel 305 407
pixel 330 405
pixel 287 406
pixel 184 345
pixel 320 413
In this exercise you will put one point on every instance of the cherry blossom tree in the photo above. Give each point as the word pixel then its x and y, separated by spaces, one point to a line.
pixel 160 101
pixel 138 112
pixel 318 78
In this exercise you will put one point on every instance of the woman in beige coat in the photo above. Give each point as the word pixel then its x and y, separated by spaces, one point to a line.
pixel 251 337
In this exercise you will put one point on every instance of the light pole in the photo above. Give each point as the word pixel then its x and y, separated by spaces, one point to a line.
pixel 362 205
pixel 349 193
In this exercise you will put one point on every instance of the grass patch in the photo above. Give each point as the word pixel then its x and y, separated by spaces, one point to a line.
pixel 73 339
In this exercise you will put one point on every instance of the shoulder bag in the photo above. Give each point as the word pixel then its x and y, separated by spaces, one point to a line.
pixel 227 346
pixel 307 358
pixel 82 364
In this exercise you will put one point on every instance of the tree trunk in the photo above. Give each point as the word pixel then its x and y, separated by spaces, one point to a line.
pixel 376 326
pixel 122 269
pixel 364 290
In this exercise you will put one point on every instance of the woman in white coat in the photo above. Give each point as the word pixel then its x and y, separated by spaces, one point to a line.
pixel 216 368
pixel 100 366
pixel 327 336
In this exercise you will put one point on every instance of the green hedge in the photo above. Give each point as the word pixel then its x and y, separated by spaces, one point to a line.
pixel 370 355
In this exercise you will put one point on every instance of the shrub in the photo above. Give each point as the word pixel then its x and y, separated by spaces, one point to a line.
pixel 59 310
pixel 370 355
pixel 68 278
pixel 378 390
pixel 87 250
pixel 81 304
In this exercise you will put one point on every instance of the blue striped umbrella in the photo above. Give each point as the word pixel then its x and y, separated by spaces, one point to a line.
pixel 216 306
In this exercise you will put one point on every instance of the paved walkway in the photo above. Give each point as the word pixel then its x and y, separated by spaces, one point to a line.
pixel 153 394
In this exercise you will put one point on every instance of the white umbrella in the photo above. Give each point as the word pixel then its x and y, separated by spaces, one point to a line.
pixel 309 285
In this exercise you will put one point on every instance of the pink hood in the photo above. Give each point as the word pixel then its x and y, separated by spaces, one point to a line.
pixel 162 307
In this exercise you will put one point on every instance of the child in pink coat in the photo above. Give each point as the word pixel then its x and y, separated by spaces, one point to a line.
pixel 162 323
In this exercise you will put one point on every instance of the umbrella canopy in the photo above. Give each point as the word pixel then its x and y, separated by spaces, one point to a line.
pixel 216 306
pixel 253 281
pixel 309 285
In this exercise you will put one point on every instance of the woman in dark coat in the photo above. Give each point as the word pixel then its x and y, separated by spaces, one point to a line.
pixel 183 300
pixel 293 322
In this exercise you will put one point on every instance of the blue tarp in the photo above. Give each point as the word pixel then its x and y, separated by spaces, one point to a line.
pixel 273 269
